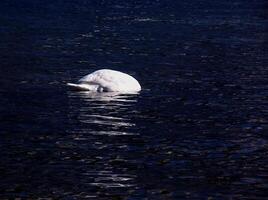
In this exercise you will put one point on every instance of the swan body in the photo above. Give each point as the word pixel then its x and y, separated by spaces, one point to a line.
pixel 106 80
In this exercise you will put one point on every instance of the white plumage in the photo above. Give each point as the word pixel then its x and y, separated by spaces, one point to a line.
pixel 106 80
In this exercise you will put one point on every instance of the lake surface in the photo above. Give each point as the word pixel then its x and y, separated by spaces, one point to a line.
pixel 197 130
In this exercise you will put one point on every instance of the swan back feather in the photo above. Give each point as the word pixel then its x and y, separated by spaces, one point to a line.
pixel 106 80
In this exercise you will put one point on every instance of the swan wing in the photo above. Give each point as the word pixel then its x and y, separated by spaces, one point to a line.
pixel 112 81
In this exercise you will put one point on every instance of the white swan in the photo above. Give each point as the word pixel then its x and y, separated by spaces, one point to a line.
pixel 106 80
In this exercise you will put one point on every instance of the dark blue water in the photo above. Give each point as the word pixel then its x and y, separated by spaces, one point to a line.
pixel 197 130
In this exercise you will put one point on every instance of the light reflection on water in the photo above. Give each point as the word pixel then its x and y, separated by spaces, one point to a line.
pixel 102 115
pixel 106 110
